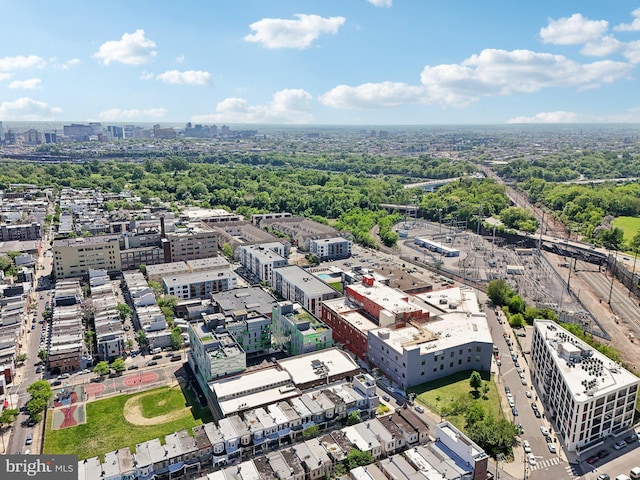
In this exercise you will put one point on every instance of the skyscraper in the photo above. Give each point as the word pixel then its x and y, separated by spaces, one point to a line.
pixel 1 133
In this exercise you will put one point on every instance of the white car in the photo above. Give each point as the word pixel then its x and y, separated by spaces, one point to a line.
pixel 528 394
pixel 532 459
pixel 526 446
pixel 551 447
pixel 512 403
pixel 543 430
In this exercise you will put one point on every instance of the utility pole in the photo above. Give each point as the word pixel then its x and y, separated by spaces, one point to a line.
pixel 613 275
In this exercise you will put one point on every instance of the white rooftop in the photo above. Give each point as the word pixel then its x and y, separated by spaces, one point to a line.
pixel 453 330
pixel 302 368
pixel 578 363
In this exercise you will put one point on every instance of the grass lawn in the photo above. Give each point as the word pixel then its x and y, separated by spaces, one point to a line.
pixel 630 225
pixel 440 393
pixel 336 286
pixel 106 428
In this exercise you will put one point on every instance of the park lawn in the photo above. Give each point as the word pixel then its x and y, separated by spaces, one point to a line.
pixel 106 428
pixel 438 393
pixel 162 402
pixel 336 286
pixel 630 225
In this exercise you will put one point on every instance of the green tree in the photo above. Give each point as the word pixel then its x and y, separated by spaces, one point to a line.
pixel 101 368
pixel 357 458
pixel 475 414
pixel 177 342
pixel 141 337
pixel 143 269
pixel 21 357
pixel 118 365
pixel 227 251
pixel 310 432
pixel 516 304
pixel 40 392
pixel 499 292
pixel 517 320
pixel 129 344
pixel 353 417
pixel 42 355
pixel 494 436
pixel 123 311
pixel 156 287
pixel 475 380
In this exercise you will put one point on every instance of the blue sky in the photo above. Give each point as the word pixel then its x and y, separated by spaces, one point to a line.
pixel 322 62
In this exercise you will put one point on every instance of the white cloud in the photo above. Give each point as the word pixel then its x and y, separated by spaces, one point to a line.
pixel 5 76
pixel 147 75
pixel 634 26
pixel 180 58
pixel 548 117
pixel 632 51
pixel 287 106
pixel 574 30
pixel 500 72
pixel 602 47
pixel 189 77
pixel 116 114
pixel 490 73
pixel 8 64
pixel 29 84
pixel 373 95
pixel 381 3
pixel 132 49
pixel 300 33
pixel 27 109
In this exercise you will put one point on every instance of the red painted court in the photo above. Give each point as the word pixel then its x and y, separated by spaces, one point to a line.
pixel 140 379
pixel 94 388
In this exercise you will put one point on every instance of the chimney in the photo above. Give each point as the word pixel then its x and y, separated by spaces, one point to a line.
pixel 162 232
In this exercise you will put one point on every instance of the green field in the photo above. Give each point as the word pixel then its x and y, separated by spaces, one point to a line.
pixel 630 225
pixel 439 393
pixel 107 429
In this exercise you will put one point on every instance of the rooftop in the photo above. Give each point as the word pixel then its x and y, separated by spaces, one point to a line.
pixel 586 371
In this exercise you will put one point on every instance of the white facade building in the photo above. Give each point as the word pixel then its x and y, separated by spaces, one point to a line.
pixel 587 395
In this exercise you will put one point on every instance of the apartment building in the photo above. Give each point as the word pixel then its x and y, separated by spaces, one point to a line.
pixel 297 331
pixel 260 261
pixel 194 242
pixel 73 257
pixel 587 395
pixel 200 284
pixel 333 248
pixel 299 286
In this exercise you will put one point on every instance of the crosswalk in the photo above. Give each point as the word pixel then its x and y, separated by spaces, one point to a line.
pixel 549 462
pixel 572 471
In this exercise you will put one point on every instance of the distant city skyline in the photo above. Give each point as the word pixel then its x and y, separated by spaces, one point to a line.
pixel 329 62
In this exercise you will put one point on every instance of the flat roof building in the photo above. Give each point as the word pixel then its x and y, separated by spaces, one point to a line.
pixel 587 395
pixel 299 286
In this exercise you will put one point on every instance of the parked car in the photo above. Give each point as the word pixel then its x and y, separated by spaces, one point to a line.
pixel 603 453
pixel 514 410
pixel 526 446
pixel 620 444
pixel 29 440
pixel 507 389
pixel 631 438
pixel 151 363
pixel 156 357
pixel 521 334
pixel 543 430
pixel 593 459
pixel 64 376
pixel 603 476
pixel 523 381
pixel 551 447
pixel 386 398
pixel 419 409
pixel 528 394
pixel 532 459
pixel 133 367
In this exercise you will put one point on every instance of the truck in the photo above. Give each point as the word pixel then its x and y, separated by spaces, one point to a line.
pixel 155 351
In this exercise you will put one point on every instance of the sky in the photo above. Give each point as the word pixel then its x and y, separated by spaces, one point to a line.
pixel 320 62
